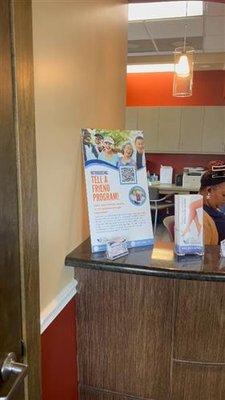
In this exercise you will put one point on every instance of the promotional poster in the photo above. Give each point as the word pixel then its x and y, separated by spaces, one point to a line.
pixel 117 188
pixel 189 224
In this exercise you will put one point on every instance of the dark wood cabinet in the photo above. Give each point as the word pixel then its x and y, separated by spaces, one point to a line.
pixel 86 394
pixel 149 338
pixel 89 394
pixel 200 321
pixel 125 333
pixel 194 382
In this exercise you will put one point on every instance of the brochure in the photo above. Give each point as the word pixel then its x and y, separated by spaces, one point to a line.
pixel 117 188
pixel 189 224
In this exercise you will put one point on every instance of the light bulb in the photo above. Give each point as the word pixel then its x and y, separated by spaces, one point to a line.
pixel 182 68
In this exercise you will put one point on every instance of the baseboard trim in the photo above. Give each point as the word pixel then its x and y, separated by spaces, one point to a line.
pixel 57 304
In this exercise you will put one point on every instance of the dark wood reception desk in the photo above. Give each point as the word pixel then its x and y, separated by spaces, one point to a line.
pixel 151 326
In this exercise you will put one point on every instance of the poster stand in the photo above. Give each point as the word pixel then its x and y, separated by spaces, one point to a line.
pixel 117 188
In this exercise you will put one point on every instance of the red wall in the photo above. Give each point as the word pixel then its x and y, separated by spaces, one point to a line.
pixel 155 89
pixel 179 161
pixel 59 357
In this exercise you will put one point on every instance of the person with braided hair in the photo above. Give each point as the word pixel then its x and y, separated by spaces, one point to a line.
pixel 213 191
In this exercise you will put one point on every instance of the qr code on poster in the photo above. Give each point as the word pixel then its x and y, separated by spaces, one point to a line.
pixel 128 174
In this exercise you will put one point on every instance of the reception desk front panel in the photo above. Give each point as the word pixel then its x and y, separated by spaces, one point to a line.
pixel 149 337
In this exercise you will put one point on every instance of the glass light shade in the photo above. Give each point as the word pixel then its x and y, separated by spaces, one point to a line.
pixel 182 68
pixel 183 72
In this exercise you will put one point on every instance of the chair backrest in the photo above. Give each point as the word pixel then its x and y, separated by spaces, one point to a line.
pixel 169 223
pixel 153 193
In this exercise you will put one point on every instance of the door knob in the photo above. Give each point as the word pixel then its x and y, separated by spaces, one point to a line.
pixel 10 366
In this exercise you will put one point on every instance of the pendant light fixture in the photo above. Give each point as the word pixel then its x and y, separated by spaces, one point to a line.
pixel 183 68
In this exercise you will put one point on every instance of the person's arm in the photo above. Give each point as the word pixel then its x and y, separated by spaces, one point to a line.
pixel 210 233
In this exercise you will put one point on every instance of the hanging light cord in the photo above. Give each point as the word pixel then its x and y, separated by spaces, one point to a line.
pixel 185 27
pixel 185 37
pixel 149 33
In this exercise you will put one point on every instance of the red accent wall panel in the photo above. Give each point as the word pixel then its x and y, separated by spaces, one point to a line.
pixel 224 85
pixel 59 358
pixel 179 161
pixel 155 89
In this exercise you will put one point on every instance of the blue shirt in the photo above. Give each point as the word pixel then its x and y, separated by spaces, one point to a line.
pixel 131 162
pixel 223 209
pixel 111 160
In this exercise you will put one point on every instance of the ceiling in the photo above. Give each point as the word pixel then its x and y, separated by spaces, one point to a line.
pixel 153 41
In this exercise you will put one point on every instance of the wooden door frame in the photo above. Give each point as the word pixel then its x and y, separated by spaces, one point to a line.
pixel 24 122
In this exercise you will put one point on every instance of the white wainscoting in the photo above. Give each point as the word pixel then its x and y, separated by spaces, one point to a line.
pixel 57 304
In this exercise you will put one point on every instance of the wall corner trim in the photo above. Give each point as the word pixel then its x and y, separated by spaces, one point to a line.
pixel 53 309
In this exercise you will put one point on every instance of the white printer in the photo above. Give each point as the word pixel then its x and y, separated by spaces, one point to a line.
pixel 192 177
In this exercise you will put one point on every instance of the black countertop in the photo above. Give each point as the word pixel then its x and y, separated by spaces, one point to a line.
pixel 158 260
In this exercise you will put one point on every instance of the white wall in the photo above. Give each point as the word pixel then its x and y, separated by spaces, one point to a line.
pixel 80 72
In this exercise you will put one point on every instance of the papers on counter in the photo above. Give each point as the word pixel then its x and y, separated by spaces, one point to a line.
pixel 166 174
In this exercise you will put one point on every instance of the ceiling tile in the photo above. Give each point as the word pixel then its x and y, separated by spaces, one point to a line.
pixel 140 46
pixel 137 31
pixel 166 28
